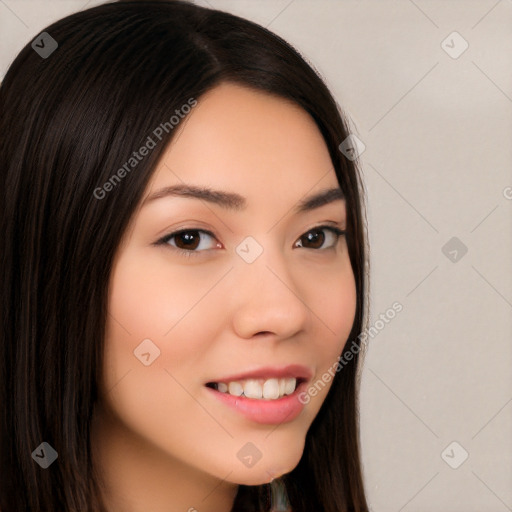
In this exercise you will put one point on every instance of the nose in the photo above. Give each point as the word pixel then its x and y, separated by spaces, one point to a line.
pixel 268 298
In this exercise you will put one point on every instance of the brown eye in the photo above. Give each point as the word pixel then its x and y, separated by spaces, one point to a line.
pixel 315 238
pixel 188 241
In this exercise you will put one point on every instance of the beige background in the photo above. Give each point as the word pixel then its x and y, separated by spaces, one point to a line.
pixel 437 164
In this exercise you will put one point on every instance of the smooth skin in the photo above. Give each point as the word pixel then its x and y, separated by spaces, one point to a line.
pixel 163 442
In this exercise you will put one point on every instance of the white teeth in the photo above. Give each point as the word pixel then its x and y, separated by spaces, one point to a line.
pixel 252 389
pixel 222 387
pixel 235 388
pixel 269 389
pixel 290 386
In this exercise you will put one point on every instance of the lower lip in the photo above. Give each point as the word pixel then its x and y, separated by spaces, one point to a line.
pixel 266 412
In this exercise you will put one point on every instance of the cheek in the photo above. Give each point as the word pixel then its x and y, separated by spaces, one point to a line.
pixel 159 315
pixel 334 307
pixel 335 310
pixel 156 316
pixel 150 298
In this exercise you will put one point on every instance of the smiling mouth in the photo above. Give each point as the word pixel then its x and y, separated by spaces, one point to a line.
pixel 258 389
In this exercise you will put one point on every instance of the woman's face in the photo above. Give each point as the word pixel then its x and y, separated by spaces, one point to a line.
pixel 252 287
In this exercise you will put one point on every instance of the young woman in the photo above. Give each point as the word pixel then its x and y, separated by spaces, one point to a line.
pixel 183 271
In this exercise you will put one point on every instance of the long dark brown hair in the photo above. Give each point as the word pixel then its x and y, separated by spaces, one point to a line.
pixel 68 121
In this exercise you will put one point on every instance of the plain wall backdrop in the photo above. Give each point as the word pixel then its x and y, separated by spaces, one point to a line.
pixel 428 87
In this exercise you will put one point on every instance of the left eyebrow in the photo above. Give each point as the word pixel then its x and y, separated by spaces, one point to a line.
pixel 319 199
pixel 233 201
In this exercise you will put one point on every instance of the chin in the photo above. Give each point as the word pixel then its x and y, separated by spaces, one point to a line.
pixel 266 470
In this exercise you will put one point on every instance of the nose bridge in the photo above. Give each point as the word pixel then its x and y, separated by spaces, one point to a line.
pixel 268 298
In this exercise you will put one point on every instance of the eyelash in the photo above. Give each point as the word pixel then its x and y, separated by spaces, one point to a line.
pixel 188 253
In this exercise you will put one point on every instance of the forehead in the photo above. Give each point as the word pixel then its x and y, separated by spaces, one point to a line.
pixel 249 141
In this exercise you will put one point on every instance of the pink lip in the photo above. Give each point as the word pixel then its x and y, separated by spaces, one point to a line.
pixel 267 412
pixel 293 370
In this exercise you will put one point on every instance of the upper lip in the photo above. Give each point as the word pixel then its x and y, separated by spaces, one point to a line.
pixel 298 371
